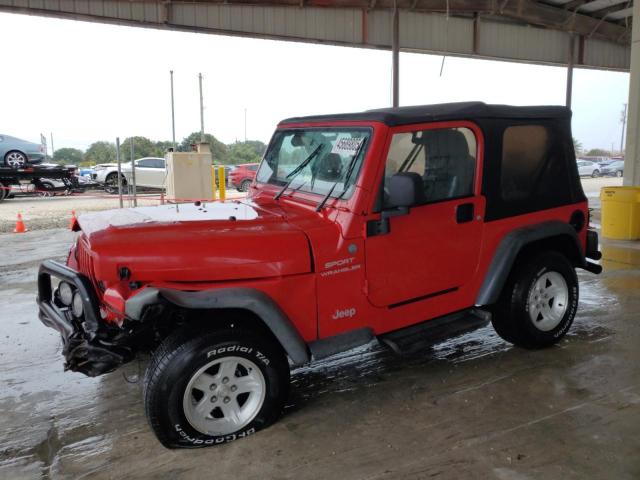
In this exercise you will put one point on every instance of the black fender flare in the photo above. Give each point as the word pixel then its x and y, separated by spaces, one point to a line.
pixel 508 250
pixel 249 299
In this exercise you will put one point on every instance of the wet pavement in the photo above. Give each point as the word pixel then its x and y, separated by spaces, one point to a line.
pixel 471 407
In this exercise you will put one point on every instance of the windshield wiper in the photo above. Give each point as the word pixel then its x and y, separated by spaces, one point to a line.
pixel 350 169
pixel 297 170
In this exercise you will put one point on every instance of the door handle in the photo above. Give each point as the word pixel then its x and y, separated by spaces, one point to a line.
pixel 464 213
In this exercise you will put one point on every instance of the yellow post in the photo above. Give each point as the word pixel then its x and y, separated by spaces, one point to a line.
pixel 213 182
pixel 221 181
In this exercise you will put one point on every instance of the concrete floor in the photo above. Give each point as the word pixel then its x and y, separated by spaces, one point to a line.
pixel 472 407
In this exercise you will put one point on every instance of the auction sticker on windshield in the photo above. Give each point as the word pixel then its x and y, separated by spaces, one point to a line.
pixel 347 146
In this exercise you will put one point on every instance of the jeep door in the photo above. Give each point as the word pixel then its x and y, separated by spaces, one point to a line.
pixel 432 250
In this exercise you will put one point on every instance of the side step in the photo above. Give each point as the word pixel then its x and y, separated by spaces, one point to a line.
pixel 339 343
pixel 419 337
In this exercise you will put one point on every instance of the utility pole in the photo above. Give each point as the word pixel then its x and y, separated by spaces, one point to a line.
pixel 53 150
pixel 201 110
pixel 245 125
pixel 173 115
pixel 623 119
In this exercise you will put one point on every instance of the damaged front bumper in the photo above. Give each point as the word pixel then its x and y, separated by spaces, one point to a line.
pixel 89 346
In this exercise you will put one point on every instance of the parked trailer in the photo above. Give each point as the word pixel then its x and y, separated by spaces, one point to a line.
pixel 38 176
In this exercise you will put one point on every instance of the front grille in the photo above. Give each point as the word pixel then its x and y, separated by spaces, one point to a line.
pixel 85 261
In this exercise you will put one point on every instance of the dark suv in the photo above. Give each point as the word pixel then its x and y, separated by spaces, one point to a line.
pixel 407 225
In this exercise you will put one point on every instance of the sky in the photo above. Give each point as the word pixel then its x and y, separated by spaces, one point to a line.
pixel 85 82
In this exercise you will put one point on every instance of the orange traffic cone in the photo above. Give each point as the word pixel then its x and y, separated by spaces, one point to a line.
pixel 20 228
pixel 73 220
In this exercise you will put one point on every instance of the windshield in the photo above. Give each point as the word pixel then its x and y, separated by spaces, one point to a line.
pixel 325 155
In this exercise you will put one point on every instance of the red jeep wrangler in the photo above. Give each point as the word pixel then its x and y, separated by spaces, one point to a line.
pixel 406 225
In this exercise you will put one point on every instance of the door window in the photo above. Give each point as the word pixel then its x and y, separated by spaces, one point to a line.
pixel 445 159
pixel 145 163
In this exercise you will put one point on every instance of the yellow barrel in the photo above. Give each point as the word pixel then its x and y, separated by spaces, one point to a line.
pixel 620 212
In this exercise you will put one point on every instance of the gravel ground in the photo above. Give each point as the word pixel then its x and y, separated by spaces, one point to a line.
pixel 55 212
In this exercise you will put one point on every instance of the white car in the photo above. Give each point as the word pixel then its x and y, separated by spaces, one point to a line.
pixel 151 172
pixel 587 168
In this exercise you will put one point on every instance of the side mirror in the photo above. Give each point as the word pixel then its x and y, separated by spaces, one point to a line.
pixel 405 190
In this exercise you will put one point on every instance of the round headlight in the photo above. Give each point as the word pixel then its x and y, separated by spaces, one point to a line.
pixel 76 306
pixel 65 292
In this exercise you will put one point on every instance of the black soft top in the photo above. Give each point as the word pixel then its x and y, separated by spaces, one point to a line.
pixel 441 111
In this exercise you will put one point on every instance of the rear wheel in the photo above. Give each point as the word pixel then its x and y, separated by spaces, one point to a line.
pixel 15 159
pixel 595 173
pixel 619 173
pixel 538 303
pixel 209 388
pixel 46 189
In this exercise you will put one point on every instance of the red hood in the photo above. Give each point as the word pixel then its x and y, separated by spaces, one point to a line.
pixel 209 242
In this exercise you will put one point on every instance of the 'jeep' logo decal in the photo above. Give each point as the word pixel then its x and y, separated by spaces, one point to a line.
pixel 347 313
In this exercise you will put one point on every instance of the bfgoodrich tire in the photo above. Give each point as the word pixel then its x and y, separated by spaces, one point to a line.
pixel 209 388
pixel 538 303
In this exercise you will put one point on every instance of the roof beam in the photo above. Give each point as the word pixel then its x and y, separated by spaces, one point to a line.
pixel 526 11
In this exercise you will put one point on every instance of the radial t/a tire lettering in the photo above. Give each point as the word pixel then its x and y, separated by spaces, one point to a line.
pixel 208 388
pixel 539 301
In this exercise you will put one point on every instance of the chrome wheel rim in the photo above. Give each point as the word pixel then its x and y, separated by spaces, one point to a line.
pixel 15 159
pixel 548 301
pixel 224 396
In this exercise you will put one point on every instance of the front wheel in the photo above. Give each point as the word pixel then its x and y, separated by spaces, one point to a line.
pixel 111 183
pixel 595 174
pixel 244 186
pixel 209 388
pixel 619 173
pixel 538 303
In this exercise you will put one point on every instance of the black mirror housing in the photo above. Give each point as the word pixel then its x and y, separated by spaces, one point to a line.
pixel 405 189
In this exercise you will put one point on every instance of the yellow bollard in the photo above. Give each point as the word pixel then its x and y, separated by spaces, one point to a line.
pixel 222 182
pixel 213 182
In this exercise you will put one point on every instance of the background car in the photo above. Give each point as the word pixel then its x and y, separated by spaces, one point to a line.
pixel 150 173
pixel 587 168
pixel 17 153
pixel 100 171
pixel 242 176
pixel 614 169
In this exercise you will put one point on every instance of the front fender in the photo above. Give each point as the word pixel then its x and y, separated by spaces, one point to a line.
pixel 249 299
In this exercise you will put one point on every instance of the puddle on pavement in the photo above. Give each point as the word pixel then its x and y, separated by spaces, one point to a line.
pixel 68 413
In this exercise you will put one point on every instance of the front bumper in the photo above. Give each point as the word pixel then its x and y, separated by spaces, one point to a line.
pixel 87 346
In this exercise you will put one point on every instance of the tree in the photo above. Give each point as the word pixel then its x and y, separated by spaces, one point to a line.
pixel 143 147
pixel 218 149
pixel 162 147
pixel 65 156
pixel 577 146
pixel 598 152
pixel 101 152
pixel 258 146
pixel 242 152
